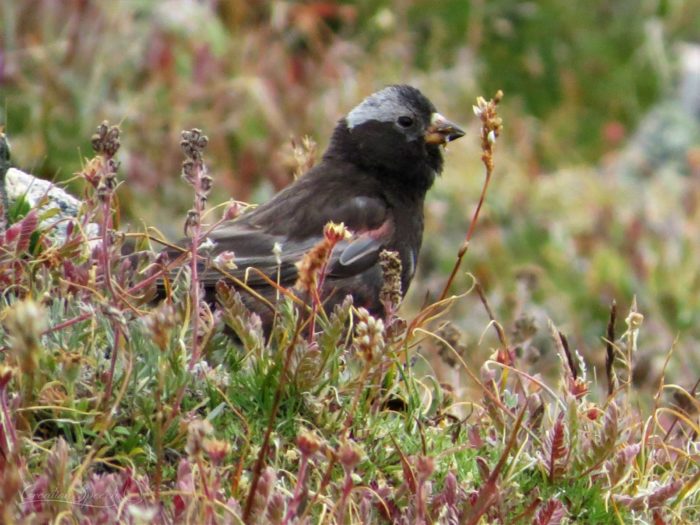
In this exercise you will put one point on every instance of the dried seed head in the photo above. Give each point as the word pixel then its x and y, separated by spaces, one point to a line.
pixel 304 155
pixel 233 210
pixel 308 444
pixel 310 266
pixel 189 171
pixel 193 143
pixel 205 182
pixel 191 221
pixel 197 431
pixel 634 324
pixel 450 343
pixel 391 293
pixel 425 466
pixel 314 261
pixel 216 449
pixel 105 141
pixel 24 323
pixel 349 455
pixel 369 335
pixel 634 320
pixel 160 323
pixel 336 232
pixel 491 126
pixel 277 252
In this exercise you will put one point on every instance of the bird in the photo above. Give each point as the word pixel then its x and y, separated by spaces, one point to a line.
pixel 382 159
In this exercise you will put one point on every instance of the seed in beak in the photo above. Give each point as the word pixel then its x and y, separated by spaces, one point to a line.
pixel 441 130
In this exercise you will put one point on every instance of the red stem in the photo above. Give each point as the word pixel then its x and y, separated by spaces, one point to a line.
pixel 196 231
pixel 470 232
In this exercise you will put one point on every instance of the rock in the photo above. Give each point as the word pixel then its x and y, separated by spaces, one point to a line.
pixel 16 184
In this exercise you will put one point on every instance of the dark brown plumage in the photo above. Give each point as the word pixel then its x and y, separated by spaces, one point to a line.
pixel 382 159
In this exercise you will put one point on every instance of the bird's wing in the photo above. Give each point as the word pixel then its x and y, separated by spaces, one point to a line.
pixel 361 252
pixel 256 251
pixel 269 249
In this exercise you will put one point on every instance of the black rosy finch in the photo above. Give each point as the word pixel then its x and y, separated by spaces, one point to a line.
pixel 382 159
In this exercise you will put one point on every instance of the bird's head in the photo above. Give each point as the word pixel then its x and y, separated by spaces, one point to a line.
pixel 397 132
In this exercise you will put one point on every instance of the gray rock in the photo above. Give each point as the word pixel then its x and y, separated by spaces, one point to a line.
pixel 19 184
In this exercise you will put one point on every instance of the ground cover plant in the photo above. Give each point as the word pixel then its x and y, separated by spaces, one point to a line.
pixel 554 382
pixel 119 409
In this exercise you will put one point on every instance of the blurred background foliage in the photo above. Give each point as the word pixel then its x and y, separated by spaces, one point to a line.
pixel 596 196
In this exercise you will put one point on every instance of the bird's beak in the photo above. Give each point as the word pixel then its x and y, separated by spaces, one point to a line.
pixel 441 130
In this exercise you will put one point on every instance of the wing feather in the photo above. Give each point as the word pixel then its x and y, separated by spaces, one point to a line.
pixel 281 221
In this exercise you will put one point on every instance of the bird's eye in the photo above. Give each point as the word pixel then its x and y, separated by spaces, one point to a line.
pixel 405 122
